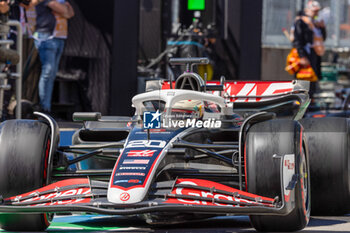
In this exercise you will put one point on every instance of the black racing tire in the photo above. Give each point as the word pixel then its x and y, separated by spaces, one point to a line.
pixel 328 142
pixel 263 140
pixel 24 149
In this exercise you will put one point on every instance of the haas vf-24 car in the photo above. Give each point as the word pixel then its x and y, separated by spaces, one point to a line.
pixel 193 149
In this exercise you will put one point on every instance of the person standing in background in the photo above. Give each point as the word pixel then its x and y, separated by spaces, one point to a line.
pixel 50 34
pixel 309 35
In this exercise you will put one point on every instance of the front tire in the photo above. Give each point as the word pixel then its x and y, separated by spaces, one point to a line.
pixel 24 151
pixel 277 137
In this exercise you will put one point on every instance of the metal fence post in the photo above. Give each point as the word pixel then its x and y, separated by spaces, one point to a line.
pixel 19 45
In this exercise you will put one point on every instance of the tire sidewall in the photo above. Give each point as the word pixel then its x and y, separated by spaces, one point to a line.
pixel 24 151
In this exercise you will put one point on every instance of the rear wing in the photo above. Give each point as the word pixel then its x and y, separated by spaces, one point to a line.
pixel 233 91
pixel 242 95
pixel 248 96
pixel 252 91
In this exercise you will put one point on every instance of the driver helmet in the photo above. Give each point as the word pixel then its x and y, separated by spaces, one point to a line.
pixel 188 109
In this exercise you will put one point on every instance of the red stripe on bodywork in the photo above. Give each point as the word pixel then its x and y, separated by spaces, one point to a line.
pixel 46 220
pixel 280 91
pixel 47 151
pixel 245 167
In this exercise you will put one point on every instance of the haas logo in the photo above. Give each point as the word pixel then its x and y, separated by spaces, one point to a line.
pixel 124 196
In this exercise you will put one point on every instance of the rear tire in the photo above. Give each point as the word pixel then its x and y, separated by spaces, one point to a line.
pixel 277 137
pixel 24 148
pixel 328 142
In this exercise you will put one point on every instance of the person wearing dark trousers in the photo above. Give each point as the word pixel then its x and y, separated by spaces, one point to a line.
pixel 306 32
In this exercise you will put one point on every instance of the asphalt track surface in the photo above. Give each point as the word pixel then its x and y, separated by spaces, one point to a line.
pixel 219 224
pixel 106 223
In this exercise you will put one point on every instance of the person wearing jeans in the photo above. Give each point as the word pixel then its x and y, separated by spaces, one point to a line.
pixel 49 38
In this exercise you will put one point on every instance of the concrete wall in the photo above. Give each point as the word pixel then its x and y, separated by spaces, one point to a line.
pixel 273 62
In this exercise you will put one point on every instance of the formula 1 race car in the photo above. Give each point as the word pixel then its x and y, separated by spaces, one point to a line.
pixel 193 150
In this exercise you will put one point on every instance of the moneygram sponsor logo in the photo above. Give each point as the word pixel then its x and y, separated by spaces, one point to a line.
pixel 132 168
pixel 130 174
pixel 136 161
pixel 141 153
